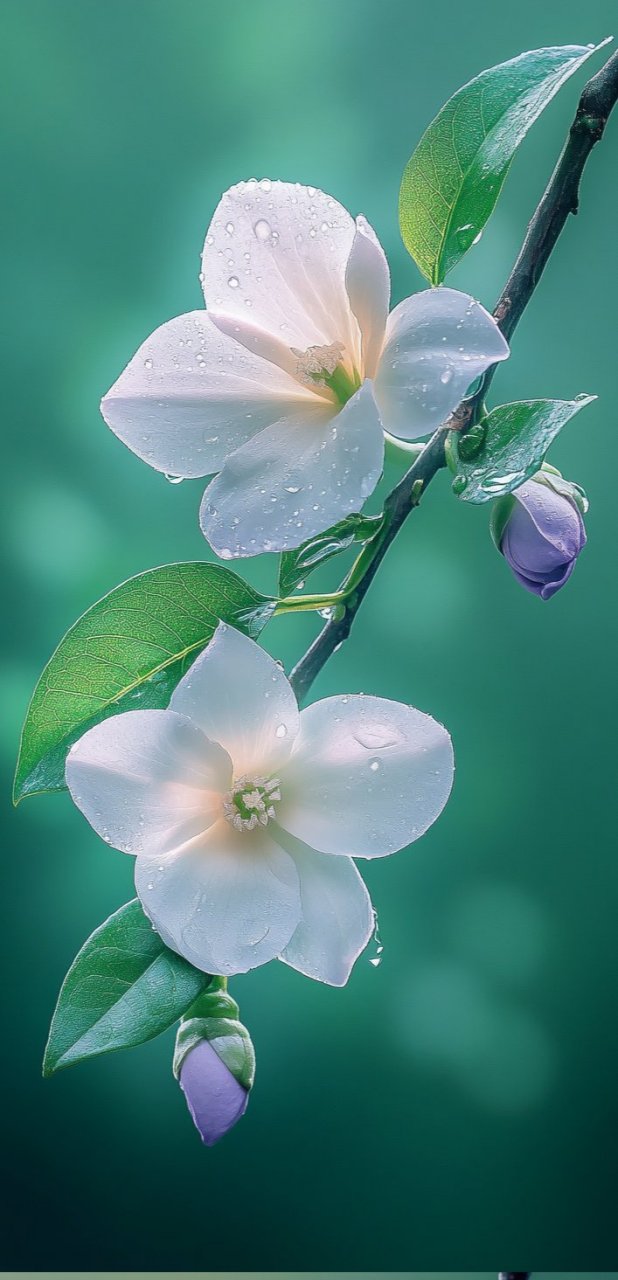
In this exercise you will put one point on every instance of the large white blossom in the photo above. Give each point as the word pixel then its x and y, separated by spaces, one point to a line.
pixel 244 815
pixel 286 384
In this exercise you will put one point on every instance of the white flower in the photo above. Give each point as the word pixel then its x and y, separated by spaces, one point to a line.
pixel 244 815
pixel 285 385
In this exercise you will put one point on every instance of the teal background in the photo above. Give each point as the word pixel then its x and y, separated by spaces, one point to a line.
pixel 455 1106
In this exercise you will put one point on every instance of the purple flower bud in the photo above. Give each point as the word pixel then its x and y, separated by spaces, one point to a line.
pixel 543 537
pixel 214 1097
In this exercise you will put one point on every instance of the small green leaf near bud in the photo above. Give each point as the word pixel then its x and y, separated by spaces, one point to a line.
pixel 124 987
pixel 517 437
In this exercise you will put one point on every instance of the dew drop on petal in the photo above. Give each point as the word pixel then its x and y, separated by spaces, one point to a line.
pixel 281 731
pixel 174 479
pixel 261 229
pixel 377 736
pixel 233 282
pixel 148 363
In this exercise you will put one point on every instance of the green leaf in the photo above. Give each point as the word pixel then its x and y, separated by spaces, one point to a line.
pixel 129 650
pixel 295 566
pixel 124 986
pixel 452 182
pixel 516 438
pixel 214 1017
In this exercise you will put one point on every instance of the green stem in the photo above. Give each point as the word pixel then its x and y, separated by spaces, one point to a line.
pixel 301 604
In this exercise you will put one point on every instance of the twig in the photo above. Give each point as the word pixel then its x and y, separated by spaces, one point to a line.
pixel 560 199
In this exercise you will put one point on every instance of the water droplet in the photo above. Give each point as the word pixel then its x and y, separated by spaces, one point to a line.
pixel 148 363
pixel 292 488
pixel 459 484
pixel 265 184
pixel 174 479
pixel 229 227
pixel 374 765
pixel 497 484
pixel 446 376
pixel 261 229
pixel 376 736
pixel 376 961
pixel 233 282
pixel 281 731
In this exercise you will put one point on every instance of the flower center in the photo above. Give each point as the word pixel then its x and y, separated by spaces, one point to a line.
pixel 323 367
pixel 251 802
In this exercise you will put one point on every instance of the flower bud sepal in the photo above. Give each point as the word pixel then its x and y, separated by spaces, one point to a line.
pixel 214 1062
pixel 554 479
pixel 499 517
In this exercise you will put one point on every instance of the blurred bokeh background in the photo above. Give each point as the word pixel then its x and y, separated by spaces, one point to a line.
pixel 455 1105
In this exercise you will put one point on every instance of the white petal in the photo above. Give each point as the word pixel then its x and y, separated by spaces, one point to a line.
pixel 269 347
pixel 191 395
pixel 366 776
pixel 368 284
pixel 337 916
pixel 437 343
pixel 276 253
pixel 295 479
pixel 241 698
pixel 148 781
pixel 227 907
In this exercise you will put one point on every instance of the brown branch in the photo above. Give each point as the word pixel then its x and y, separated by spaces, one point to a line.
pixel 560 198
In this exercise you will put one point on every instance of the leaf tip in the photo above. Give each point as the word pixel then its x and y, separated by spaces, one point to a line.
pixel 49 1067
